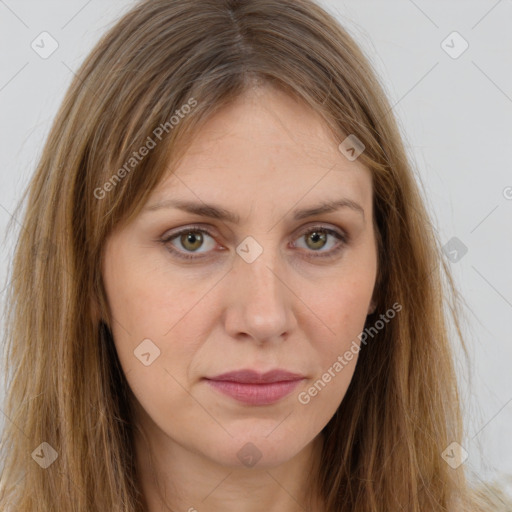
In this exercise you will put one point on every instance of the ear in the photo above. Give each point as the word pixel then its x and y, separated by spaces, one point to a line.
pixel 372 307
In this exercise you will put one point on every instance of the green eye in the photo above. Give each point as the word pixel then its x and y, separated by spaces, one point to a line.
pixel 318 237
pixel 193 238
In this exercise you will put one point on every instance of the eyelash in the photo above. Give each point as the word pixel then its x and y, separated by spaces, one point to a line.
pixel 342 237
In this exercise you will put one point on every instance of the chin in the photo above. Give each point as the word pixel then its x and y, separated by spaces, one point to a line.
pixel 257 450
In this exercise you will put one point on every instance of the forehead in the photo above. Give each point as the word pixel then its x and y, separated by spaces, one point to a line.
pixel 265 146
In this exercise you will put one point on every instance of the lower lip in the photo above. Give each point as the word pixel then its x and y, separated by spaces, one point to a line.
pixel 255 394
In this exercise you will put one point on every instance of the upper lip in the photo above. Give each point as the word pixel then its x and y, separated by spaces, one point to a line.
pixel 253 377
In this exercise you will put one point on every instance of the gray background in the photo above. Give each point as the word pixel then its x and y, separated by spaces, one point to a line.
pixel 455 116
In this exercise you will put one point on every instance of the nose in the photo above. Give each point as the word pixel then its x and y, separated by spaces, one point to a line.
pixel 261 300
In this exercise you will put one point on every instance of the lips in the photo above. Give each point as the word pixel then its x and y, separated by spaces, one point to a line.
pixel 254 388
pixel 254 377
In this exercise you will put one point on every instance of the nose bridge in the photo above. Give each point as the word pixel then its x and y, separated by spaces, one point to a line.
pixel 263 276
pixel 261 306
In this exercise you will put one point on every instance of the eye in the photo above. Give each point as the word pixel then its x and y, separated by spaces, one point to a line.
pixel 317 238
pixel 190 239
pixel 193 238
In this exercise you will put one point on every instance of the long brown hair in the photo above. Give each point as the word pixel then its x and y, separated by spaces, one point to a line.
pixel 383 447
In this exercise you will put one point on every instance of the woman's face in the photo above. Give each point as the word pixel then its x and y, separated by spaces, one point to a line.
pixel 261 283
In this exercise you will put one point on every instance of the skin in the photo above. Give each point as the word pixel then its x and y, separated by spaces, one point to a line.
pixel 262 157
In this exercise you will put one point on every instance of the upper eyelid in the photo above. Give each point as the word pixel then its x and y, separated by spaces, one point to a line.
pixel 211 232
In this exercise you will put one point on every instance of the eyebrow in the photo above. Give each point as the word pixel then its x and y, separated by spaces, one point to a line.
pixel 219 213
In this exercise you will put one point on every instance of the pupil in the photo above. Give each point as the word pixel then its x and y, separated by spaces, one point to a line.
pixel 317 236
pixel 193 239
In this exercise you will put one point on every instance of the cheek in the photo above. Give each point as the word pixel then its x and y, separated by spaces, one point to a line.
pixel 342 308
pixel 144 302
pixel 156 366
pixel 158 326
pixel 336 354
pixel 341 297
